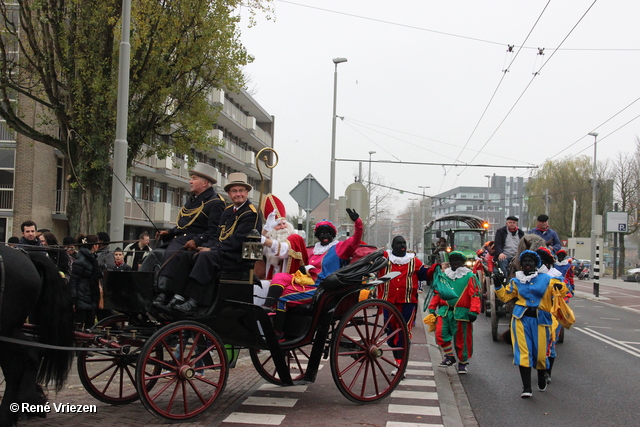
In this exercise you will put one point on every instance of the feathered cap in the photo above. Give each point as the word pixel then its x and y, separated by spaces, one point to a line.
pixel 325 223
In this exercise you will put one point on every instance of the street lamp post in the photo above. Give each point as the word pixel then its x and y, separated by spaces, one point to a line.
pixel 411 244
pixel 593 207
pixel 332 191
pixel 423 209
pixel 488 196
pixel 369 195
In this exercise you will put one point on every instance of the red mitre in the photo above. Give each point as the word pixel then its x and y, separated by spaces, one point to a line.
pixel 271 203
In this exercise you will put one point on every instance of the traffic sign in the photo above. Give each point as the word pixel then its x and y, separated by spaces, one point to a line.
pixel 617 222
pixel 309 193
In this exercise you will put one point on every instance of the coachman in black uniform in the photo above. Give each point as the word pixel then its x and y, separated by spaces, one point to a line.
pixel 197 223
pixel 225 250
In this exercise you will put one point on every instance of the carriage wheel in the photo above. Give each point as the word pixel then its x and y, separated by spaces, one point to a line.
pixel 362 351
pixel 110 376
pixel 486 295
pixel 194 370
pixel 494 312
pixel 481 281
pixel 296 358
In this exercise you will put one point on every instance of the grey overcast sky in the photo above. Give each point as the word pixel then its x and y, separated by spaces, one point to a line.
pixel 424 82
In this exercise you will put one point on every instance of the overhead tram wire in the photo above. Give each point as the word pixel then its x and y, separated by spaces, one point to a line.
pixel 371 140
pixel 348 120
pixel 609 134
pixel 504 73
pixel 600 125
pixel 531 81
pixel 444 33
pixel 601 139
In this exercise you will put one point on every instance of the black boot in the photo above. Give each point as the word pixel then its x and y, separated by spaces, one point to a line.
pixel 525 374
pixel 273 295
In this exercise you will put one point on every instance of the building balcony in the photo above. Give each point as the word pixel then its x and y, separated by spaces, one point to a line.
pixel 162 214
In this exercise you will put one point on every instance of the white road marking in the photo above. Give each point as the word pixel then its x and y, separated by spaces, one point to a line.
pixel 400 424
pixel 270 401
pixel 407 394
pixel 418 372
pixel 618 344
pixel 292 388
pixel 414 410
pixel 419 383
pixel 415 363
pixel 255 419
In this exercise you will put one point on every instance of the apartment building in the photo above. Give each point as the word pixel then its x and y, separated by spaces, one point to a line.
pixel 503 196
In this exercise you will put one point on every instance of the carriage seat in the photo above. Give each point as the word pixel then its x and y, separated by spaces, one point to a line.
pixel 237 273
pixel 347 278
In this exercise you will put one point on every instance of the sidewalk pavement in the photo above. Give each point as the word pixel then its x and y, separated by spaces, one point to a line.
pixel 454 404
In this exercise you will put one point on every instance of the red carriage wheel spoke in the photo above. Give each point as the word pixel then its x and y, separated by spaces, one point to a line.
pixel 183 394
pixel 370 325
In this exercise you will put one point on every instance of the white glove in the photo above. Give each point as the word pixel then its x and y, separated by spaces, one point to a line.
pixel 271 222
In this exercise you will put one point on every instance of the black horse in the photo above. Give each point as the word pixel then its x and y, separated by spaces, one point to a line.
pixel 33 288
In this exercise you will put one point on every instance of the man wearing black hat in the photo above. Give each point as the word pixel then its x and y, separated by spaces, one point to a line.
pixel 196 223
pixel 551 237
pixel 223 249
pixel 506 243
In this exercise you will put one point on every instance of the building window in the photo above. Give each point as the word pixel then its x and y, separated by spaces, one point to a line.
pixel 7 165
pixel 137 187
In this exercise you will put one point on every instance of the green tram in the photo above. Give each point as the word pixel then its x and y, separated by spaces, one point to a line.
pixel 461 232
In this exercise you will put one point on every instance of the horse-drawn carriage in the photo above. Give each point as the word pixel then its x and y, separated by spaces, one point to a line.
pixel 178 367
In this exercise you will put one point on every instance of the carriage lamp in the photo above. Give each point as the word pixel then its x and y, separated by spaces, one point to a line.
pixel 251 247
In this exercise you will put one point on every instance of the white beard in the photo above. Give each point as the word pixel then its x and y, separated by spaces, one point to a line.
pixel 282 234
pixel 279 236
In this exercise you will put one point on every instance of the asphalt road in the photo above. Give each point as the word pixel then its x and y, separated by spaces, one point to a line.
pixel 595 378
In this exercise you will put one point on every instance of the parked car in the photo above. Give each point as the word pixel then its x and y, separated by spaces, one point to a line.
pixel 633 275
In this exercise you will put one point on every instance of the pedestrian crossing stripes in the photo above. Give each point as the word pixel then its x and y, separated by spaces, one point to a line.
pixel 270 401
pixel 255 419
pixel 414 410
pixel 419 403
pixel 415 399
pixel 407 394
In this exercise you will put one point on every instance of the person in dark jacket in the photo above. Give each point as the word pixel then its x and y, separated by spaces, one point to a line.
pixel 225 249
pixel 197 223
pixel 119 264
pixel 57 253
pixel 85 274
pixel 506 243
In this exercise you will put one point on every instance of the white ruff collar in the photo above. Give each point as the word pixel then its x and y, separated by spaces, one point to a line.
pixel 400 260
pixel 543 269
pixel 563 262
pixel 458 273
pixel 554 272
pixel 318 249
pixel 522 278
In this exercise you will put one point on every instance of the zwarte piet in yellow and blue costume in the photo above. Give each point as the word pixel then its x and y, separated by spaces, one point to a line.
pixel 531 319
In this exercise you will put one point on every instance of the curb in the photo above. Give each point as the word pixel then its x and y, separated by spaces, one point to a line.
pixel 454 404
